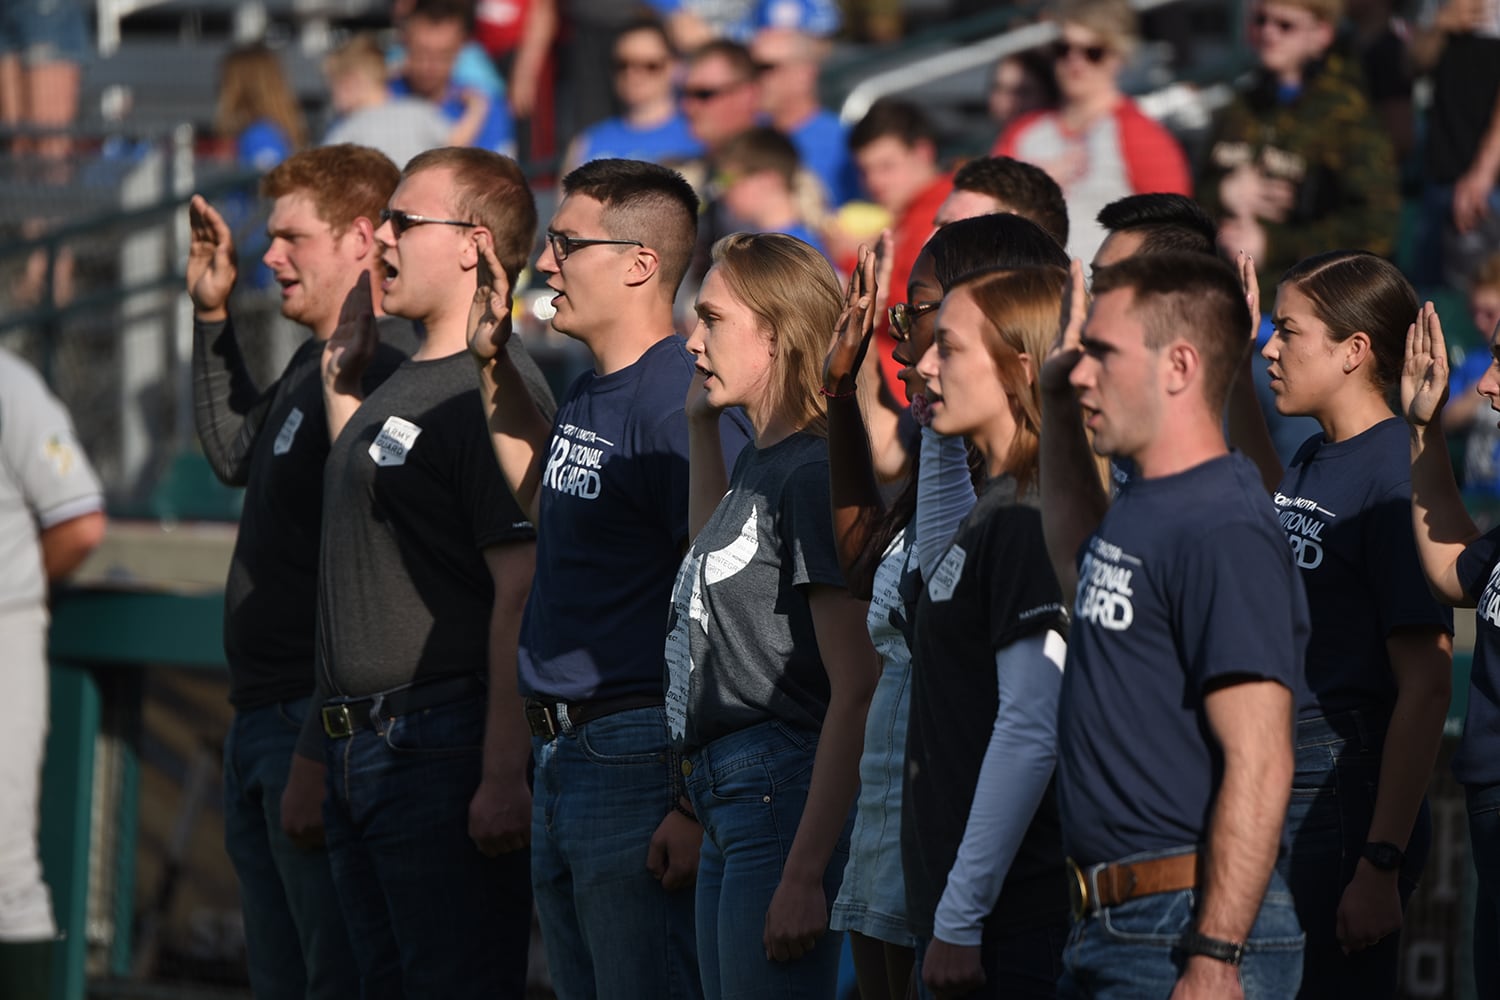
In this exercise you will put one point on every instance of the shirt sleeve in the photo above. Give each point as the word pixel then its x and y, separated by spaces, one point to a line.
pixel 806 527
pixel 1240 610
pixel 229 409
pixel 1154 161
pixel 42 453
pixel 1476 562
pixel 1020 592
pixel 483 493
pixel 945 495
pixel 1013 778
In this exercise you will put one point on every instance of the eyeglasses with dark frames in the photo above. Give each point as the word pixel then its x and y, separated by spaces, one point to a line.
pixel 402 221
pixel 563 246
pixel 705 94
pixel 1095 54
pixel 904 315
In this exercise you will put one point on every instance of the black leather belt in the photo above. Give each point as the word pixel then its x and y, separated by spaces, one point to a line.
pixel 548 718
pixel 344 718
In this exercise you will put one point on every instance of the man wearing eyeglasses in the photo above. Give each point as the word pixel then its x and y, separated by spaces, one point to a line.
pixel 273 442
pixel 614 844
pixel 426 563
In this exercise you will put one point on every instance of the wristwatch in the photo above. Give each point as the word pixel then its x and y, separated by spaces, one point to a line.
pixel 1228 952
pixel 1383 855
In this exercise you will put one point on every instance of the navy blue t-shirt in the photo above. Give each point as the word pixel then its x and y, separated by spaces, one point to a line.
pixel 1188 581
pixel 1346 508
pixel 1477 761
pixel 611 530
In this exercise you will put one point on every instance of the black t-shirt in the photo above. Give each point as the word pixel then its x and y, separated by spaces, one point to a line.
pixel 1187 582
pixel 1465 84
pixel 993 587
pixel 1477 762
pixel 412 497
pixel 279 446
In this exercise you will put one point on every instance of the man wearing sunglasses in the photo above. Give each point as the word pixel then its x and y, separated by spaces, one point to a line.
pixel 1299 163
pixel 426 563
pixel 273 441
pixel 1098 144
pixel 614 845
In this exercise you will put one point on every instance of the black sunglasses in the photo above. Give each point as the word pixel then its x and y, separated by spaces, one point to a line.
pixel 562 246
pixel 904 314
pixel 1284 25
pixel 702 94
pixel 1061 49
pixel 402 221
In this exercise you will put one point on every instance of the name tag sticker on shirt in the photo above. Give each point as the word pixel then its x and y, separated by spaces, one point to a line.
pixel 945 578
pixel 395 439
pixel 288 432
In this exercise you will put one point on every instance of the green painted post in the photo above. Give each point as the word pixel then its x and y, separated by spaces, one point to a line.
pixel 67 802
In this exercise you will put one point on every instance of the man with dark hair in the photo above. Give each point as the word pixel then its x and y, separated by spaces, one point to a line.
pixel 425 565
pixel 1154 223
pixel 720 98
pixel 325 206
pixel 614 845
pixel 757 182
pixel 895 149
pixel 434 34
pixel 1174 761
pixel 992 184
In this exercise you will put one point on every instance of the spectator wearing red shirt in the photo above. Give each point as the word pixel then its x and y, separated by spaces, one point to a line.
pixel 895 149
pixel 1098 145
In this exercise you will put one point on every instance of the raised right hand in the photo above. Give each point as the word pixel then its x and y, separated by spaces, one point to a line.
pixel 1250 282
pixel 1424 377
pixel 489 313
pixel 1065 353
pixel 851 335
pixel 211 267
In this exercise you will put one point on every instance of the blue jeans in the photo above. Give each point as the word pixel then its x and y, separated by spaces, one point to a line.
pixel 429 915
pixel 1020 965
pixel 1130 951
pixel 294 930
pixel 749 789
pixel 611 931
pixel 1484 845
pixel 1328 823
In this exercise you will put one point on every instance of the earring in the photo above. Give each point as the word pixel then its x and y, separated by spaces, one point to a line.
pixel 1348 368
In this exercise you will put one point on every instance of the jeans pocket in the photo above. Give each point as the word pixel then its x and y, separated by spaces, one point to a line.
pixel 750 782
pixel 453 729
pixel 292 714
pixel 635 737
pixel 1158 919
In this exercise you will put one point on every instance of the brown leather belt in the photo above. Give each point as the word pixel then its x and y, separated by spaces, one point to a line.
pixel 548 718
pixel 1099 886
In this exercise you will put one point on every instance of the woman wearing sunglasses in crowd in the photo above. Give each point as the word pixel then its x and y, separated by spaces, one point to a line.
pixel 1098 145
pixel 1380 654
pixel 981 839
pixel 769 668
pixel 877 549
pixel 1463 569
pixel 650 126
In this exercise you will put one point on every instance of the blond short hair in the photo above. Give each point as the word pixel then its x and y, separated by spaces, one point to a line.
pixel 1112 20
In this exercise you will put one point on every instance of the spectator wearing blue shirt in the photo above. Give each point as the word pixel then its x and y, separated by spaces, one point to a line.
pixel 1467 412
pixel 694 23
pixel 786 63
pixel 650 127
pixel 756 181
pixel 1185 650
pixel 435 33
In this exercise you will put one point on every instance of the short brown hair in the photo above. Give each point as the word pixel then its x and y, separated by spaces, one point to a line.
pixel 345 182
pixel 647 202
pixel 360 54
pixel 1327 11
pixel 1024 189
pixel 491 190
pixel 1192 297
pixel 758 150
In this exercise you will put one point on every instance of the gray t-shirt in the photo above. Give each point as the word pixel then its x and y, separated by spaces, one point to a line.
pixel 400 128
pixel 45 479
pixel 741 649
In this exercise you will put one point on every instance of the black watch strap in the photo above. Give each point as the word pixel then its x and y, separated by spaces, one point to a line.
pixel 1228 952
pixel 1384 855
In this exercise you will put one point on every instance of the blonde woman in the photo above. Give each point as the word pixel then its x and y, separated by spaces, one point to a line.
pixel 769 667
